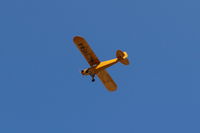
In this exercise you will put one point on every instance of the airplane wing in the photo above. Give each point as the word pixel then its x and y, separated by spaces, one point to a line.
pixel 86 50
pixel 107 80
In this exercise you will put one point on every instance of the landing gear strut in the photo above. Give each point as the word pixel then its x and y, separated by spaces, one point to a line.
pixel 93 78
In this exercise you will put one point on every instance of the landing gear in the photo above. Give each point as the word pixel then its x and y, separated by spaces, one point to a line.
pixel 93 78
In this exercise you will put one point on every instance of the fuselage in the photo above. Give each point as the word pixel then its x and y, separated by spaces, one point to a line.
pixel 101 66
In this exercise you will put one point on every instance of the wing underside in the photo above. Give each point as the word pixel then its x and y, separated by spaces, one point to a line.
pixel 107 80
pixel 86 51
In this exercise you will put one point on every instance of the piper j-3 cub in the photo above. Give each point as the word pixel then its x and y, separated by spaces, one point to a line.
pixel 97 67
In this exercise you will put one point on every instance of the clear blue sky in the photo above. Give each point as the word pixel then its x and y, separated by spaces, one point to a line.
pixel 42 90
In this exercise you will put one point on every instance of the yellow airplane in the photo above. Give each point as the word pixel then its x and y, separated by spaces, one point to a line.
pixel 97 67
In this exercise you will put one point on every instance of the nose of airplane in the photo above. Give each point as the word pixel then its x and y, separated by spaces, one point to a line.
pixel 82 71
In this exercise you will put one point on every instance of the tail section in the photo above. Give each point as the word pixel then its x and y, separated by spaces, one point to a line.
pixel 122 57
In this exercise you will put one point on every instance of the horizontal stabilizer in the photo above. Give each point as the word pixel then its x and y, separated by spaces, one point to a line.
pixel 122 57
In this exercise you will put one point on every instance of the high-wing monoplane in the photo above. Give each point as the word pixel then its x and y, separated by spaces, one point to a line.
pixel 96 66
